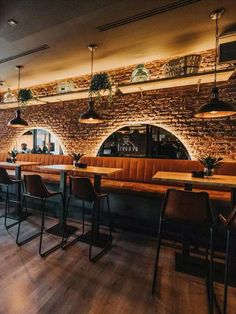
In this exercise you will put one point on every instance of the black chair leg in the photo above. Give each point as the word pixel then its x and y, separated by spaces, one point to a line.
pixel 19 243
pixel 91 238
pixel 6 207
pixel 226 272
pixel 64 238
pixel 57 246
pixel 42 228
pixel 211 273
pixel 83 215
pixel 19 225
pixel 157 257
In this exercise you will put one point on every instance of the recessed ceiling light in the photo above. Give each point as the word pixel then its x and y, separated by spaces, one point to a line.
pixel 12 22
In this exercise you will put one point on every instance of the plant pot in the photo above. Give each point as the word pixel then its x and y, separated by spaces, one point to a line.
pixel 13 160
pixel 208 173
pixel 81 165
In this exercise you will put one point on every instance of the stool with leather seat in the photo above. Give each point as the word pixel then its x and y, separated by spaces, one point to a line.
pixel 7 182
pixel 230 225
pixel 36 189
pixel 192 209
pixel 82 189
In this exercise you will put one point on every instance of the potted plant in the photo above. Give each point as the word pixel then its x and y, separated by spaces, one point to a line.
pixel 12 156
pixel 76 160
pixel 210 164
pixel 100 83
pixel 24 96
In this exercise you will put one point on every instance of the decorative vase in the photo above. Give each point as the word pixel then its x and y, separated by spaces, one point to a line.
pixel 13 160
pixel 140 74
pixel 208 173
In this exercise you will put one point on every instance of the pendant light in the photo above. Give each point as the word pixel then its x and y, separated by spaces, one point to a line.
pixel 216 108
pixel 91 116
pixel 18 122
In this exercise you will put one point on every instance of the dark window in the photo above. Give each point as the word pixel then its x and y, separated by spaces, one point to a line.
pixel 143 141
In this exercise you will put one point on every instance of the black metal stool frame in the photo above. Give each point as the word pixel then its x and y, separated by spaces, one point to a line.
pixel 227 223
pixel 42 229
pixel 209 280
pixel 79 238
pixel 7 203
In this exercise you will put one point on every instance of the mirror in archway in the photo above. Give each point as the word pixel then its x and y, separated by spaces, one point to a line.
pixel 38 141
pixel 143 140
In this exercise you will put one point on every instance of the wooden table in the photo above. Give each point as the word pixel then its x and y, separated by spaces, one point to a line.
pixel 97 173
pixel 217 181
pixel 17 166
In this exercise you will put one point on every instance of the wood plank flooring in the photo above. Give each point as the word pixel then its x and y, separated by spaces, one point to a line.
pixel 119 283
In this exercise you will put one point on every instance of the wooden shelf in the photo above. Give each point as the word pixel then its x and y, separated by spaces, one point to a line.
pixel 50 99
pixel 126 88
pixel 191 79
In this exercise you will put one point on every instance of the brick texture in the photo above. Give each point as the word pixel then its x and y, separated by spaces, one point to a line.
pixel 171 109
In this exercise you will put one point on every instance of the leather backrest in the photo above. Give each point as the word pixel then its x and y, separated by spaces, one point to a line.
pixel 35 186
pixel 82 188
pixel 186 206
pixel 227 168
pixel 44 159
pixel 4 176
pixel 142 169
pixel 3 156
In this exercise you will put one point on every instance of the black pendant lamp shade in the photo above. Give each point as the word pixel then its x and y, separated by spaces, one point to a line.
pixel 216 108
pixel 90 116
pixel 18 122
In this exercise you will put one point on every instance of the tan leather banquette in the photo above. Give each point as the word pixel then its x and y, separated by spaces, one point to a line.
pixel 136 176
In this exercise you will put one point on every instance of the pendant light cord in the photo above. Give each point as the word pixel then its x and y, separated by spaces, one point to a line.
pixel 18 98
pixel 216 46
pixel 91 72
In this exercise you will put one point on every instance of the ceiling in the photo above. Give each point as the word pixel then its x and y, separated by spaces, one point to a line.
pixel 68 26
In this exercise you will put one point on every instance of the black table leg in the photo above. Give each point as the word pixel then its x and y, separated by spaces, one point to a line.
pixel 58 228
pixel 233 198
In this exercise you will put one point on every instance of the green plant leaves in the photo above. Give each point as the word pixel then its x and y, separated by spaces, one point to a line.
pixel 210 162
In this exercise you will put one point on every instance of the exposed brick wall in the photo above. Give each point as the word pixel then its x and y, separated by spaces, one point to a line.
pixel 171 109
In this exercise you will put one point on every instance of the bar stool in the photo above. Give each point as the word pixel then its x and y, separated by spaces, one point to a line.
pixel 36 189
pixel 187 209
pixel 230 225
pixel 82 189
pixel 7 181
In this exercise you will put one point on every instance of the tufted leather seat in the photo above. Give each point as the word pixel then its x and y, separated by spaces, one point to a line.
pixel 136 176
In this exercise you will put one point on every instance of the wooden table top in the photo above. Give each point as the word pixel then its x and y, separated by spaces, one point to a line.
pixel 103 171
pixel 182 177
pixel 18 164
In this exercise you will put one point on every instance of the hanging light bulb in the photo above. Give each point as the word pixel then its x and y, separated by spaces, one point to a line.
pixel 91 116
pixel 216 108
pixel 18 122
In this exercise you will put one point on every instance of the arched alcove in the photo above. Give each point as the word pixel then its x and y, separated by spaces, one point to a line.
pixel 39 141
pixel 143 140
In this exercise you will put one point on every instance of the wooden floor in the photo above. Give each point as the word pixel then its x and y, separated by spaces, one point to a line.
pixel 120 282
